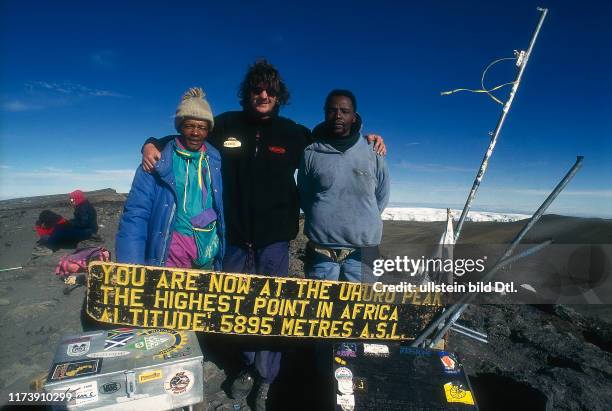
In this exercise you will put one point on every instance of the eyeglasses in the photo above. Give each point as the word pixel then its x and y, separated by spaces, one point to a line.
pixel 191 127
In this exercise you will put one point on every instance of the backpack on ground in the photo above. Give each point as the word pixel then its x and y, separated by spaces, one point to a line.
pixel 71 264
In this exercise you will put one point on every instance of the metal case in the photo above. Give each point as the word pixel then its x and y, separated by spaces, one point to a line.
pixel 128 369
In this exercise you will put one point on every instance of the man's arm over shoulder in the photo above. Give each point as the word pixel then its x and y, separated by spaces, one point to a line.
pixel 159 143
pixel 151 152
pixel 133 228
pixel 383 183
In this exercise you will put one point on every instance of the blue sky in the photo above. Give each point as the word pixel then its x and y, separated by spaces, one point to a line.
pixel 83 84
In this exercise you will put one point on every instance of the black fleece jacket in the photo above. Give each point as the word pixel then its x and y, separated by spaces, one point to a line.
pixel 259 159
pixel 85 217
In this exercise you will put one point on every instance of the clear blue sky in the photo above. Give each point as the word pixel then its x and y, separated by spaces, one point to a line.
pixel 83 84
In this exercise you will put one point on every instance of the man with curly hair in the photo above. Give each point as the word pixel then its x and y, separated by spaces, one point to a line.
pixel 260 152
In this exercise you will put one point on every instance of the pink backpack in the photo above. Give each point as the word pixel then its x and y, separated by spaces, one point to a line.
pixel 71 264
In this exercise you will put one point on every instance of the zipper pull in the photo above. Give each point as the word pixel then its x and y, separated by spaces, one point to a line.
pixel 257 138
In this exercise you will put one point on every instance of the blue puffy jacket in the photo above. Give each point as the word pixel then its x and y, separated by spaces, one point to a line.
pixel 149 213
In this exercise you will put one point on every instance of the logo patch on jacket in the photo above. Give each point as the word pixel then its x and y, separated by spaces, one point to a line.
pixel 231 142
pixel 277 149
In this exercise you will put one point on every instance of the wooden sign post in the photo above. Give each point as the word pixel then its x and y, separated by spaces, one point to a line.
pixel 216 302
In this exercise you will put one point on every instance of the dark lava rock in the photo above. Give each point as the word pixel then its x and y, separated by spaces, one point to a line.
pixel 537 358
pixel 544 357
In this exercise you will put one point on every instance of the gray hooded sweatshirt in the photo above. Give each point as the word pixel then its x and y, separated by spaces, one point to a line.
pixel 343 194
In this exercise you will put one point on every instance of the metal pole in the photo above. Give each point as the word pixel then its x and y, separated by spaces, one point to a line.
pixel 469 330
pixel 460 307
pixel 468 334
pixel 551 197
pixel 500 123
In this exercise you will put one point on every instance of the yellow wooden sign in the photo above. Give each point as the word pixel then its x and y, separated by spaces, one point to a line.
pixel 207 301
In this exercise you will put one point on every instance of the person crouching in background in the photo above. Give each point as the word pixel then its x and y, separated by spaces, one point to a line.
pixel 174 216
pixel 55 231
pixel 47 223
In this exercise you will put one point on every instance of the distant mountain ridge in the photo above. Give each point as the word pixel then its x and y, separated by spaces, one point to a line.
pixel 393 213
pixel 439 214
pixel 58 200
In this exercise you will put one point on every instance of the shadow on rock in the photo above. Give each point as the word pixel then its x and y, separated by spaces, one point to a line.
pixel 495 392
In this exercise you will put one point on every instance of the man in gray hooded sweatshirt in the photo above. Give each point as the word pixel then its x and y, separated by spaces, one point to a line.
pixel 344 187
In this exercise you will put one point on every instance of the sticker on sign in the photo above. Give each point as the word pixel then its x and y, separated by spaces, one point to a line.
pixel 346 402
pixel 82 393
pixel 78 349
pixel 108 354
pixel 376 350
pixel 179 383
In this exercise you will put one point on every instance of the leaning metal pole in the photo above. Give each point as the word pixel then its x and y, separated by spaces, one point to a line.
pixel 457 309
pixel 551 197
pixel 500 123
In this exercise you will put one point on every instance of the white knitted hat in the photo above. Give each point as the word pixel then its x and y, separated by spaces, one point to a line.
pixel 193 105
